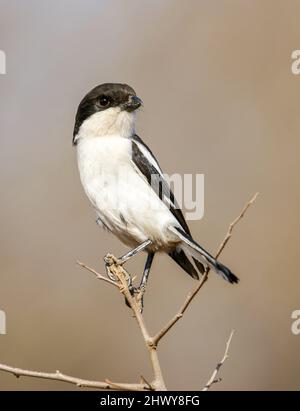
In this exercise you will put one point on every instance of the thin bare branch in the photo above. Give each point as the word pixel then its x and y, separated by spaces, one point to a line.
pixel 79 382
pixel 182 310
pixel 193 294
pixel 117 271
pixel 144 381
pixel 98 275
pixel 234 223
pixel 213 379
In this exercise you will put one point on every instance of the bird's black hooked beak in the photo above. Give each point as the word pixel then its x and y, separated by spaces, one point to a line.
pixel 132 104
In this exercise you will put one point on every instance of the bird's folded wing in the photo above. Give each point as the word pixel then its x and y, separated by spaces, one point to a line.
pixel 148 166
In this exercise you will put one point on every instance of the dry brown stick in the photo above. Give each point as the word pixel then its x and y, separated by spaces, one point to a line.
pixel 79 382
pixel 99 276
pixel 117 271
pixel 193 294
pixel 213 379
pixel 182 310
pixel 144 381
pixel 120 273
pixel 234 223
pixel 128 387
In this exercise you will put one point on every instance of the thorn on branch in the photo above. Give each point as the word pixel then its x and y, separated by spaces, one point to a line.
pixel 213 379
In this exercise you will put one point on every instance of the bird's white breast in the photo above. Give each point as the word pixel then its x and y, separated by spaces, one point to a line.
pixel 122 198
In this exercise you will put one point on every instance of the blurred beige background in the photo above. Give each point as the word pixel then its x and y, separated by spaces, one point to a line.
pixel 219 99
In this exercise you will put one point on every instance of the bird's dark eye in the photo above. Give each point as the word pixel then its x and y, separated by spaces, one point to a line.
pixel 104 101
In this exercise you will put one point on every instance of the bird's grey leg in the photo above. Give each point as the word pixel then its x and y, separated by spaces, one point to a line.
pixel 125 258
pixel 134 252
pixel 140 291
pixel 142 288
pixel 146 272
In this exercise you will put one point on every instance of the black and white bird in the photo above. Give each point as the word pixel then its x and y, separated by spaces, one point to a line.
pixel 120 176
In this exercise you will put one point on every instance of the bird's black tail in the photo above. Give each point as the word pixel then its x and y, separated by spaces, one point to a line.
pixel 201 257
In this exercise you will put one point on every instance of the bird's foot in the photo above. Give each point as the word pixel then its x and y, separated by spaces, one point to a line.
pixel 110 260
pixel 138 294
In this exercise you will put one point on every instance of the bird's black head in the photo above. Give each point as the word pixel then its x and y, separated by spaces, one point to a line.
pixel 103 97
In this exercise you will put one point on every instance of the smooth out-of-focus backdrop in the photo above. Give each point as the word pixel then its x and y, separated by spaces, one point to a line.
pixel 219 99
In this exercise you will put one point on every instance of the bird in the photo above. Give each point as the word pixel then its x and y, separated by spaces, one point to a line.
pixel 120 176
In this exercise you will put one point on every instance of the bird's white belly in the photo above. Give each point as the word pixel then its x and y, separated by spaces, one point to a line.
pixel 124 202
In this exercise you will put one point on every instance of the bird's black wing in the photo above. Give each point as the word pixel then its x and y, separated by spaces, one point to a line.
pixel 145 161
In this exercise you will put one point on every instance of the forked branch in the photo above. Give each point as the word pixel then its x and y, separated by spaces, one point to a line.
pixel 213 379
pixel 118 272
pixel 204 278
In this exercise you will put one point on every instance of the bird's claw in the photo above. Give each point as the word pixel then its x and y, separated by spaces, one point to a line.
pixel 110 260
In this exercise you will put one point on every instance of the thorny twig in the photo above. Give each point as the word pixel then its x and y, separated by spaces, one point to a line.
pixel 117 271
pixel 213 379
